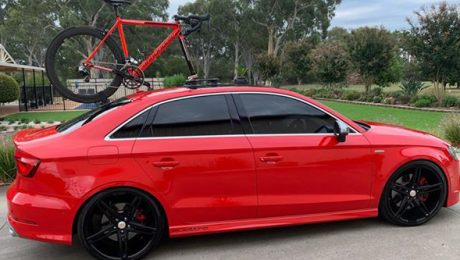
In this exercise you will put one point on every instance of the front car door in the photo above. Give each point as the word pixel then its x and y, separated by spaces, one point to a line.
pixel 200 162
pixel 301 167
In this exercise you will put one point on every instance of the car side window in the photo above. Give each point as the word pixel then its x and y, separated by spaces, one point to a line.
pixel 271 114
pixel 196 116
pixel 133 128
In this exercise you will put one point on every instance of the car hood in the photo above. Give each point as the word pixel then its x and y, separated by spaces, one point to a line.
pixel 386 134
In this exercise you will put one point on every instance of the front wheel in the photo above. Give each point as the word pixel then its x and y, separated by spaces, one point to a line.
pixel 121 223
pixel 414 194
pixel 64 65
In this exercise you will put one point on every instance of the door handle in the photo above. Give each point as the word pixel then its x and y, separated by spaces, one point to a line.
pixel 271 159
pixel 166 164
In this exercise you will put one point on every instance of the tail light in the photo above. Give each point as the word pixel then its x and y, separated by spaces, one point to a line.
pixel 27 166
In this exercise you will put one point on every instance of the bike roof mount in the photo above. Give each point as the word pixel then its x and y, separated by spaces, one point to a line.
pixel 212 83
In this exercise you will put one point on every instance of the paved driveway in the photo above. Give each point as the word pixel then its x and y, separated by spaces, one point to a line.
pixel 363 239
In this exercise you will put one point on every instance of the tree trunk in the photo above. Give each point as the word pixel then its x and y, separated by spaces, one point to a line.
pixel 237 59
pixel 271 41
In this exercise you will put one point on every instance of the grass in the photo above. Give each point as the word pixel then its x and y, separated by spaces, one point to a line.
pixel 7 164
pixel 43 116
pixel 420 120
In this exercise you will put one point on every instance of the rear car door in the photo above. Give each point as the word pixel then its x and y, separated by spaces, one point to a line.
pixel 301 167
pixel 200 162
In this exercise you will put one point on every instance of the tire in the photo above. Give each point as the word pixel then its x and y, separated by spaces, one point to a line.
pixel 121 223
pixel 414 194
pixel 51 64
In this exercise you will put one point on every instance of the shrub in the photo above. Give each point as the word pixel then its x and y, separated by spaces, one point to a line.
pixel 450 101
pixel 422 103
pixel 377 99
pixel 7 163
pixel 389 101
pixel 25 120
pixel 309 92
pixel 378 91
pixel 403 100
pixel 412 87
pixel 276 80
pixel 174 81
pixel 424 100
pixel 352 95
pixel 451 127
pixel 9 89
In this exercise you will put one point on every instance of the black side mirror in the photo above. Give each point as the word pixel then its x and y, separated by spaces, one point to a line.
pixel 341 131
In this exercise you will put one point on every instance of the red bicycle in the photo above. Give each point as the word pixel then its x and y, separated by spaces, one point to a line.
pixel 86 65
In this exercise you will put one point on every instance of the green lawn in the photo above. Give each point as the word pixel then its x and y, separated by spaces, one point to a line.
pixel 45 116
pixel 421 120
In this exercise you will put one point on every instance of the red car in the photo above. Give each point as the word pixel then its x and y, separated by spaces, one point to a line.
pixel 184 162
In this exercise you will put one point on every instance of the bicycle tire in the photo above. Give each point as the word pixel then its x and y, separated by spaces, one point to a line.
pixel 50 64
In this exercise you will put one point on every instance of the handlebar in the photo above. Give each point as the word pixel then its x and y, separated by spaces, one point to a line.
pixel 195 21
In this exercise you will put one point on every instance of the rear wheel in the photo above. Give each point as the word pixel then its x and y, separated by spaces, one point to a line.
pixel 121 224
pixel 64 65
pixel 414 194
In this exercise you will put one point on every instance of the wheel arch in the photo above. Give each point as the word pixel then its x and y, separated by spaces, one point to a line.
pixel 427 159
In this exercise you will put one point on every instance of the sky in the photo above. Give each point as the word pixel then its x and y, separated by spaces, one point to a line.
pixel 356 13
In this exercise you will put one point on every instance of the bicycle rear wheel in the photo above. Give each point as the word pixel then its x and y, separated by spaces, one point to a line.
pixel 64 65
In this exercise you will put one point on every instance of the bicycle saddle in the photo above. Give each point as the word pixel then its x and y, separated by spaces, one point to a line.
pixel 117 2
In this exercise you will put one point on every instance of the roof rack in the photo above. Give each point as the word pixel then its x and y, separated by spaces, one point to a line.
pixel 212 83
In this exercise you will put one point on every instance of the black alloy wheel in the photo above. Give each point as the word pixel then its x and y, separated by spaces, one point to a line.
pixel 121 224
pixel 414 194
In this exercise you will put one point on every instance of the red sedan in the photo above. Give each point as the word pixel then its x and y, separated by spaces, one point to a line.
pixel 187 162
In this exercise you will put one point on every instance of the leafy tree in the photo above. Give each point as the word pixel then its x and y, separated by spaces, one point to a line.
pixel 433 41
pixel 337 34
pixel 373 54
pixel 27 40
pixel 298 60
pixel 295 18
pixel 268 66
pixel 330 63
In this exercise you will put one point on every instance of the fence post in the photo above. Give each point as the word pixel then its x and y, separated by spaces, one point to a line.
pixel 35 89
pixel 24 91
pixel 43 89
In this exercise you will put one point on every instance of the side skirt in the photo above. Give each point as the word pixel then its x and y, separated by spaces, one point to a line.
pixel 240 225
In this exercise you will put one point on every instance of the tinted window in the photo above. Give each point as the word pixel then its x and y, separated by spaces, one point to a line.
pixel 133 128
pixel 271 114
pixel 193 117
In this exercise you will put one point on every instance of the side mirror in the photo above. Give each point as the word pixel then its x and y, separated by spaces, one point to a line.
pixel 341 131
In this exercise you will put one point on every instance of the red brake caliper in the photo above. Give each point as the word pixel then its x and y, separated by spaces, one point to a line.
pixel 139 216
pixel 423 182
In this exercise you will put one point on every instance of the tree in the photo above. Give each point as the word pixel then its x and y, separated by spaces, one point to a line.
pixel 434 41
pixel 373 54
pixel 268 66
pixel 330 63
pixel 337 34
pixel 297 59
pixel 281 18
pixel 27 42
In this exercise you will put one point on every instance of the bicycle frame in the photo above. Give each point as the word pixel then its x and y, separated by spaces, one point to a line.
pixel 175 34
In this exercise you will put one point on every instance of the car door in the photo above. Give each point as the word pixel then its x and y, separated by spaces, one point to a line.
pixel 201 163
pixel 301 167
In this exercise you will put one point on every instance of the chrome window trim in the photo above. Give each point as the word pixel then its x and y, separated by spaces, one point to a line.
pixel 107 137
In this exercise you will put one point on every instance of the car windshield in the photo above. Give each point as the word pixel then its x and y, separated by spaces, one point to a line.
pixel 91 115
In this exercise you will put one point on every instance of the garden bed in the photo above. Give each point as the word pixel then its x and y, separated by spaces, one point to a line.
pixel 428 109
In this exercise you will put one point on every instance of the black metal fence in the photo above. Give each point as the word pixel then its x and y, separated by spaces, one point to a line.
pixel 37 94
